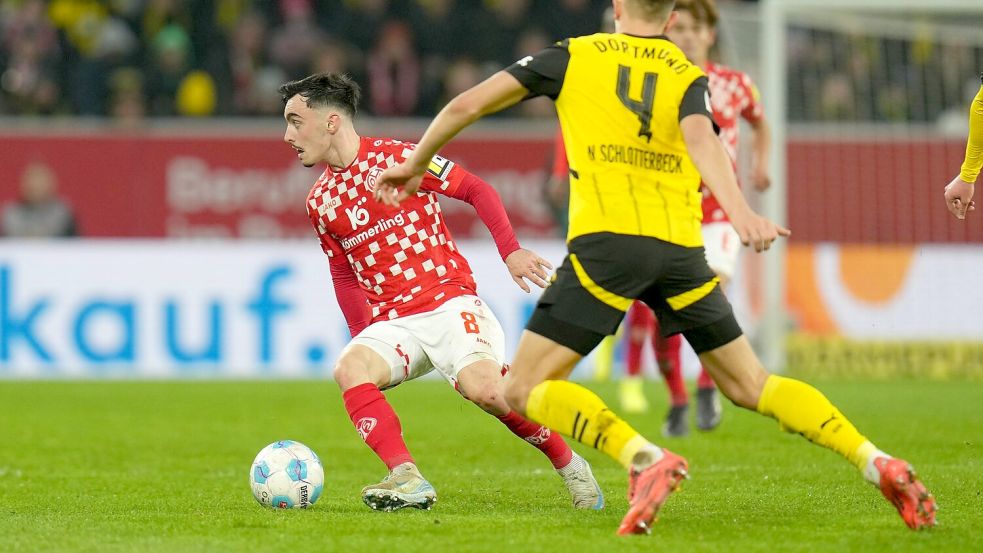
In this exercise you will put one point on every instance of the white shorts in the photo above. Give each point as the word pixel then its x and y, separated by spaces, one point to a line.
pixel 722 245
pixel 461 331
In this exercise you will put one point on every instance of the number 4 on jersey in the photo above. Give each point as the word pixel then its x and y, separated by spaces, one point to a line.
pixel 641 108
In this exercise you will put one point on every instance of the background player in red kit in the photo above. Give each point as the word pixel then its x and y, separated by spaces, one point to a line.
pixel 732 96
pixel 407 293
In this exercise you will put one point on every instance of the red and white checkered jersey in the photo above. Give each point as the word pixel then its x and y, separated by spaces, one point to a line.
pixel 732 96
pixel 404 257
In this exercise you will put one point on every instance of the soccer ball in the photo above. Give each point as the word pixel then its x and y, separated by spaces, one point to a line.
pixel 286 475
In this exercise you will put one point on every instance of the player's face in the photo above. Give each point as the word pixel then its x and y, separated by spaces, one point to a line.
pixel 307 131
pixel 693 37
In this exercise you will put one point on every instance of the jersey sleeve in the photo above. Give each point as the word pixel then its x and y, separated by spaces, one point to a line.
pixel 753 111
pixel 542 73
pixel 442 176
pixel 696 100
pixel 973 161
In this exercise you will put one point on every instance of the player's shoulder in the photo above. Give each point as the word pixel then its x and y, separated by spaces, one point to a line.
pixel 384 144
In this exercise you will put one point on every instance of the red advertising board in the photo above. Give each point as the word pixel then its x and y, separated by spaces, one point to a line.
pixel 222 183
pixel 194 185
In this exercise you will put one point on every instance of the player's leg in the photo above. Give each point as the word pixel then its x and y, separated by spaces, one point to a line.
pixel 722 246
pixel 604 358
pixel 668 354
pixel 802 409
pixel 369 364
pixel 638 327
pixel 467 345
pixel 482 383
pixel 538 387
pixel 586 301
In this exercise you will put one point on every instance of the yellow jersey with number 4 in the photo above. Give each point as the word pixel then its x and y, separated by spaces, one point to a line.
pixel 620 99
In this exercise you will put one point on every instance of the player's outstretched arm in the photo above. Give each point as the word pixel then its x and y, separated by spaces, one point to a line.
pixel 959 192
pixel 494 94
pixel 715 167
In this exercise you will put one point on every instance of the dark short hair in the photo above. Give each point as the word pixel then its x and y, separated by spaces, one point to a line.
pixel 323 90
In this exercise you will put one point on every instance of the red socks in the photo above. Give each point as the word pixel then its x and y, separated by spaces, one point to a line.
pixel 704 381
pixel 377 423
pixel 640 323
pixel 552 445
pixel 668 355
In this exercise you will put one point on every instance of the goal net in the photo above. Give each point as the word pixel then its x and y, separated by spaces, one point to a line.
pixel 868 103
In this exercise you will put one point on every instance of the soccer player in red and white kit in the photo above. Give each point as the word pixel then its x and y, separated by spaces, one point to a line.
pixel 406 291
pixel 732 96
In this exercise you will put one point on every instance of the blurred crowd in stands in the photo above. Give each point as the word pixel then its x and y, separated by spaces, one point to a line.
pixel 135 58
pixel 863 74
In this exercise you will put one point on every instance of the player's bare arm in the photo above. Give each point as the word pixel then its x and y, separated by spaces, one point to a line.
pixel 761 146
pixel 715 167
pixel 496 93
pixel 959 192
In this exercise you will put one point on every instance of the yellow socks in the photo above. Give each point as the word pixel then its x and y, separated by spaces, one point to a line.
pixel 604 358
pixel 575 411
pixel 800 408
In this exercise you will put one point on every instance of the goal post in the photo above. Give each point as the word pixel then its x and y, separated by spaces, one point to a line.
pixel 898 28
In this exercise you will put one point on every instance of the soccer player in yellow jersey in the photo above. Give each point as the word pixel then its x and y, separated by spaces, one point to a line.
pixel 959 192
pixel 635 115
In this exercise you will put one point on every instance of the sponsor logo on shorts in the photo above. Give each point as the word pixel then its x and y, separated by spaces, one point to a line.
pixel 365 426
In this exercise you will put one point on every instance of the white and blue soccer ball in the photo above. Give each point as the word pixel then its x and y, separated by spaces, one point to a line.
pixel 286 475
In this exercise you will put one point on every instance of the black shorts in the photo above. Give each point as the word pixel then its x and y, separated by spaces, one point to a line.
pixel 604 272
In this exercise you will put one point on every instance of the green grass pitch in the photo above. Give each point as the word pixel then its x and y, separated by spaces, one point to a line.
pixel 163 466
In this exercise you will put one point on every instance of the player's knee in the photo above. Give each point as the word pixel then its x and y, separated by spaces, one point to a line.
pixel 350 371
pixel 489 398
pixel 516 395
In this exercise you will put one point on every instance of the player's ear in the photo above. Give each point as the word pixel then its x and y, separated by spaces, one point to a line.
pixel 333 122
pixel 713 36
pixel 619 8
pixel 673 16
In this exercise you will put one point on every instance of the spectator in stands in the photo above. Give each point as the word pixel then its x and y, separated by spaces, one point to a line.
pixel 393 72
pixel 29 60
pixel 172 50
pixel 294 43
pixel 500 30
pixel 246 57
pixel 38 213
pixel 128 106
pixel 461 74
pixel 567 18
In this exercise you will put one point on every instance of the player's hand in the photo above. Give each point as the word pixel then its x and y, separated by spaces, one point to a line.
pixel 397 183
pixel 526 264
pixel 756 231
pixel 760 178
pixel 959 197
